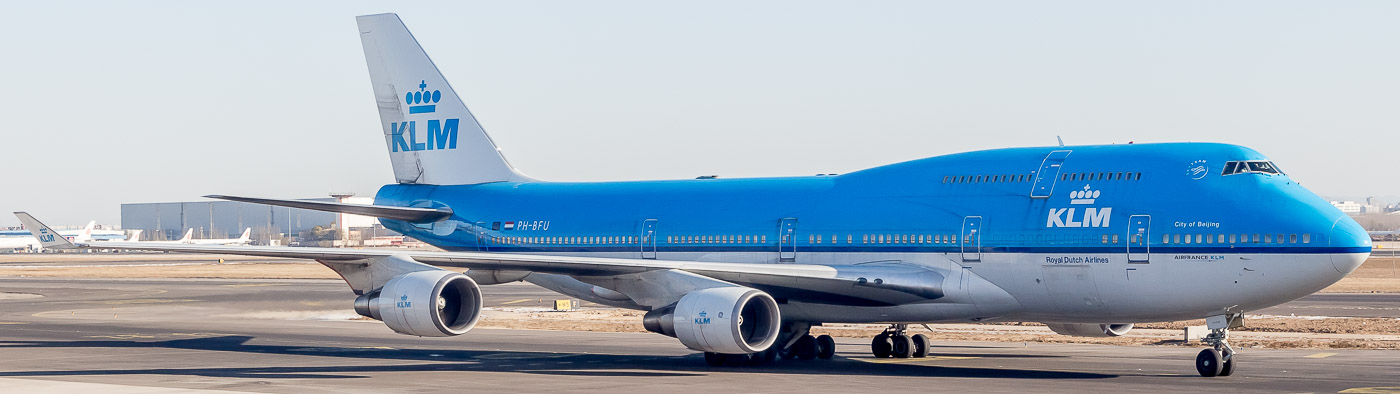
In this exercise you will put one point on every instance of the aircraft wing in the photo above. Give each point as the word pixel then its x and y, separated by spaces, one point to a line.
pixel 869 284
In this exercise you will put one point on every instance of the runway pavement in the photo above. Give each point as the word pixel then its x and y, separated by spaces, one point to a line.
pixel 286 336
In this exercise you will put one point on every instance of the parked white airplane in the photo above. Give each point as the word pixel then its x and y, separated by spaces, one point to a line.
pixel 22 239
pixel 136 238
pixel 241 240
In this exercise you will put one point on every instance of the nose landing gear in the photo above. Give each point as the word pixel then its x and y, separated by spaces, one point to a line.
pixel 1219 359
pixel 896 342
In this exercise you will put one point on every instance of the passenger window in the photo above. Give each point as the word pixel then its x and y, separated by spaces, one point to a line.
pixel 1293 238
pixel 1105 239
pixel 1166 239
pixel 1232 238
pixel 1198 238
pixel 1280 238
pixel 1307 238
pixel 1176 238
pixel 764 239
pixel 1064 177
pixel 1268 238
pixel 945 179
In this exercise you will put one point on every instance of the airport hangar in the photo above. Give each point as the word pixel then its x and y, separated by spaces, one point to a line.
pixel 271 225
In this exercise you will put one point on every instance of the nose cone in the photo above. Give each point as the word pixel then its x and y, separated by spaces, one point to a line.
pixel 1350 243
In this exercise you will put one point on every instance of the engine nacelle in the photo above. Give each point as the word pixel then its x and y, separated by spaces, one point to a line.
pixel 1090 330
pixel 731 320
pixel 425 304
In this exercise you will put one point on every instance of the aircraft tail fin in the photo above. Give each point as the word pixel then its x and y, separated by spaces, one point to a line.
pixel 48 238
pixel 188 234
pixel 135 236
pixel 86 235
pixel 431 136
pixel 247 233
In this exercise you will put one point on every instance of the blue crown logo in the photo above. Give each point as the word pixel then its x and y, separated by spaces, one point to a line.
pixel 424 98
pixel 404 298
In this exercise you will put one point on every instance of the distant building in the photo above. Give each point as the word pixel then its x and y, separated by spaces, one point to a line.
pixel 1347 207
pixel 227 219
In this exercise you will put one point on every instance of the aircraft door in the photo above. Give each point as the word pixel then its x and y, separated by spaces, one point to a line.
pixel 481 237
pixel 1048 174
pixel 648 238
pixel 787 240
pixel 972 238
pixel 1138 238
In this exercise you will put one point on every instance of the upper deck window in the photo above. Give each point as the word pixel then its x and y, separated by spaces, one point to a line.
pixel 1252 166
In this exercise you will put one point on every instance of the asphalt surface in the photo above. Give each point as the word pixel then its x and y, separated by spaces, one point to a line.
pixel 292 336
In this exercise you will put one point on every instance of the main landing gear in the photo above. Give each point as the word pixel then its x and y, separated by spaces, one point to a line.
pixel 896 342
pixel 1219 359
pixel 794 342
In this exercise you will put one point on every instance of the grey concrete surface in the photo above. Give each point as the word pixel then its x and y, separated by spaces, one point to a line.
pixel 274 336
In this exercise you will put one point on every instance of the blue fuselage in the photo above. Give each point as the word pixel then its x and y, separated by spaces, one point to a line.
pixel 1103 199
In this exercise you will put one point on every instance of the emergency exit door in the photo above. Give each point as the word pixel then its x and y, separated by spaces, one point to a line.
pixel 787 239
pixel 972 238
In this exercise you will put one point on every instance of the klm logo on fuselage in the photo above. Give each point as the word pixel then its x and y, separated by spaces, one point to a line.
pixel 439 134
pixel 1074 217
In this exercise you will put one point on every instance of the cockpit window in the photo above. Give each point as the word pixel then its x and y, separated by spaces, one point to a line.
pixel 1253 166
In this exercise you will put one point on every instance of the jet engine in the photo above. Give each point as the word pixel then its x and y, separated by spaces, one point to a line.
pixel 730 320
pixel 1090 330
pixel 425 304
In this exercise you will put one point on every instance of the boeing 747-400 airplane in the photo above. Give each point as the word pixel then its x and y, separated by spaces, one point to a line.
pixel 1087 239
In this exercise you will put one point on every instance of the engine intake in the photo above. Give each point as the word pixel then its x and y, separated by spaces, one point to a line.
pixel 425 304
pixel 1090 330
pixel 731 320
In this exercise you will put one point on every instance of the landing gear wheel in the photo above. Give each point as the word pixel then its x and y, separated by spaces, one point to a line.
pixel 714 359
pixel 903 346
pixel 826 347
pixel 806 347
pixel 1208 363
pixel 920 345
pixel 881 347
pixel 736 360
pixel 763 357
pixel 1227 367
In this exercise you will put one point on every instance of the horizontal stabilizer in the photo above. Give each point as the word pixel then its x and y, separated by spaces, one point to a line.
pixel 407 214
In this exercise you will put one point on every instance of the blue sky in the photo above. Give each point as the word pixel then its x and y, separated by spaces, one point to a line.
pixel 167 101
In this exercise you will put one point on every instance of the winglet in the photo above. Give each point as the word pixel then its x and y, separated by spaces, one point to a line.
pixel 48 238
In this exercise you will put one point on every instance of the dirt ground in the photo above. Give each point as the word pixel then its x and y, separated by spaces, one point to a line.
pixel 1377 275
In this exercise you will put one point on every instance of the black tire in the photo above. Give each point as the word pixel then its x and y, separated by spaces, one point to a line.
pixel 770 355
pixel 714 359
pixel 1208 363
pixel 881 347
pixel 903 346
pixel 1228 367
pixel 826 347
pixel 920 345
pixel 806 347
